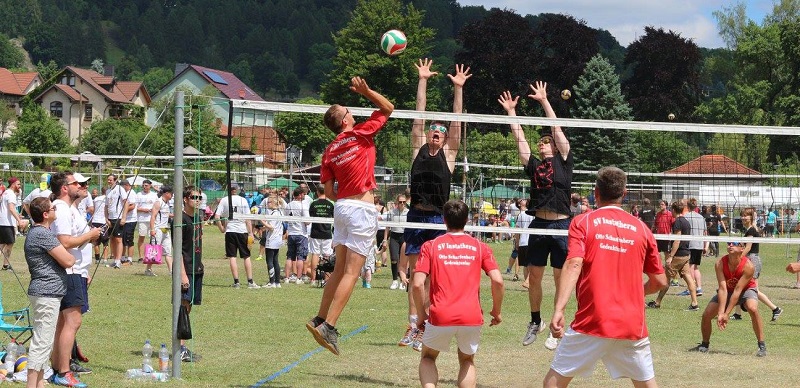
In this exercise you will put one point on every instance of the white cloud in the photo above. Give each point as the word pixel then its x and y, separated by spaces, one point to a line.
pixel 626 19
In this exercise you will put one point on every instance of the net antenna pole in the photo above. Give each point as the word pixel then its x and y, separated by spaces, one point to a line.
pixel 466 163
pixel 177 233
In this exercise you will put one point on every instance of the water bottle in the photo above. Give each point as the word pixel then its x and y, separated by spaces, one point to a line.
pixel 147 353
pixel 11 355
pixel 137 374
pixel 163 359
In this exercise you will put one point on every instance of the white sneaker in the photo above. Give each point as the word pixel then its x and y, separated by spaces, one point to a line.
pixel 394 285
pixel 149 272
pixel 299 281
pixel 551 343
pixel 277 285
pixel 253 286
pixel 530 334
pixel 268 285
pixel 402 287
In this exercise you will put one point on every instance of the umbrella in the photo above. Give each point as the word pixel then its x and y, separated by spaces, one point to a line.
pixel 277 183
pixel 489 209
pixel 86 156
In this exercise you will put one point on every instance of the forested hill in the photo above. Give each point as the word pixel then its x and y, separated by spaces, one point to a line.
pixel 276 46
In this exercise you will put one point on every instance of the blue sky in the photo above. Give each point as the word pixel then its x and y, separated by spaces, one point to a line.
pixel 626 19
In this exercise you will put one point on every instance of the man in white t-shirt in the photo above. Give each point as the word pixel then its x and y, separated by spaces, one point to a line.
pixel 116 203
pixel 160 227
pixel 131 216
pixel 523 222
pixel 43 191
pixel 238 234
pixel 144 206
pixel 10 220
pixel 297 237
pixel 74 234
pixel 99 220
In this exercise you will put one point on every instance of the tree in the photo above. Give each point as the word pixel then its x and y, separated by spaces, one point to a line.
pixel 38 133
pixel 304 130
pixel 98 65
pixel 47 71
pixel 748 149
pixel 664 76
pixel 598 96
pixel 113 137
pixel 155 79
pixel 359 53
pixel 492 148
pixel 10 55
pixel 7 116
pixel 659 151
pixel 566 44
pixel 201 131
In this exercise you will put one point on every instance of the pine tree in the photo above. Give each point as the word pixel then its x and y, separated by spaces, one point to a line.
pixel 598 95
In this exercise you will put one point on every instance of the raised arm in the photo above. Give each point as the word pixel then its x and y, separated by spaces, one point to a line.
pixel 539 93
pixel 510 105
pixel 418 125
pixel 359 85
pixel 454 133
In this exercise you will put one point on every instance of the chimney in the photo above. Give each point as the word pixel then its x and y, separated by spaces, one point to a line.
pixel 180 67
pixel 108 70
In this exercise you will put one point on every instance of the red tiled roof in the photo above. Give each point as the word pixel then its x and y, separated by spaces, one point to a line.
pixel 89 77
pixel 235 88
pixel 71 93
pixel 103 80
pixel 15 83
pixel 713 164
pixel 129 89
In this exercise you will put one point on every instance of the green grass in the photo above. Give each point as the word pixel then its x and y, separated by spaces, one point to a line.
pixel 246 335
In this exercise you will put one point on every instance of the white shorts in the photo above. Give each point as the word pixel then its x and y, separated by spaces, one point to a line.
pixel 165 240
pixel 354 225
pixel 44 312
pixel 438 337
pixel 143 228
pixel 369 264
pixel 577 355
pixel 317 246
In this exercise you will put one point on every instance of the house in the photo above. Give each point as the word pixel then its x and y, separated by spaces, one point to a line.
pixel 15 86
pixel 718 179
pixel 253 128
pixel 80 96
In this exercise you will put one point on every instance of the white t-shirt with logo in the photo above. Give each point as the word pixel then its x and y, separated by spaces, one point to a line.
pixel 240 206
pixel 67 223
pixel 146 201
pixel 114 198
pixel 297 209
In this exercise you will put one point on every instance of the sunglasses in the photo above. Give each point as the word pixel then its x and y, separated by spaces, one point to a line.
pixel 438 127
pixel 52 209
pixel 735 244
pixel 196 197
pixel 545 140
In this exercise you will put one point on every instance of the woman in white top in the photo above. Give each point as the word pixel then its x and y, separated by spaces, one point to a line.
pixel 271 241
pixel 395 237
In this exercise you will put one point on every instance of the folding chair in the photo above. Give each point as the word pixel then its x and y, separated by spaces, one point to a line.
pixel 16 324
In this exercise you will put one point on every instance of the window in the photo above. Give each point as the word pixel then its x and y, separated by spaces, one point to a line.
pixel 87 112
pixel 56 109
pixel 68 79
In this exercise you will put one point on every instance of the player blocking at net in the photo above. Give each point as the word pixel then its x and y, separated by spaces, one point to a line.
pixel 349 161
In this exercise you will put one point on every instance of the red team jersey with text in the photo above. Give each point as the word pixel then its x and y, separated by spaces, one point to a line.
pixel 732 278
pixel 616 249
pixel 350 158
pixel 453 262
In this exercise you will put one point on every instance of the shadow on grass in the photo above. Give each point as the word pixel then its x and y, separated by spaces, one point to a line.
pixel 454 383
pixel 710 351
pixel 362 379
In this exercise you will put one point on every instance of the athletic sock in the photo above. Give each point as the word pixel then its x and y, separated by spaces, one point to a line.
pixel 536 317
pixel 704 344
pixel 235 281
pixel 412 319
pixel 762 344
pixel 249 281
pixel 328 325
pixel 97 257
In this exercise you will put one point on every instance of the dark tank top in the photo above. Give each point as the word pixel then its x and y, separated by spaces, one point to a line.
pixel 429 180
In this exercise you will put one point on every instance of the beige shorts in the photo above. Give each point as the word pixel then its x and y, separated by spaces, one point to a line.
pixel 164 238
pixel 678 267
pixel 143 228
pixel 577 355
pixel 438 337
pixel 44 312
pixel 354 225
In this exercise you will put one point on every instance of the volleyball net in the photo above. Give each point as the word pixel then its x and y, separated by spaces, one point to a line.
pixel 728 166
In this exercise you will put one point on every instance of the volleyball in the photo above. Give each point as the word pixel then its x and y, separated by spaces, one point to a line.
pixel 566 94
pixel 671 116
pixel 393 42
pixel 21 364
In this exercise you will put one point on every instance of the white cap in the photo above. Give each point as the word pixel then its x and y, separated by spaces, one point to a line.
pixel 80 178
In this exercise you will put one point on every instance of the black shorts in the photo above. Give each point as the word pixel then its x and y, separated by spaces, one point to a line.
pixel 236 242
pixel 540 246
pixel 522 256
pixel 116 229
pixel 195 292
pixel 663 245
pixel 74 295
pixel 127 233
pixel 695 256
pixel 7 235
pixel 85 283
pixel 103 237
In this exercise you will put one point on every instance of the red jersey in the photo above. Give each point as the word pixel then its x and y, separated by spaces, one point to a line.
pixel 453 262
pixel 350 158
pixel 732 279
pixel 664 221
pixel 616 249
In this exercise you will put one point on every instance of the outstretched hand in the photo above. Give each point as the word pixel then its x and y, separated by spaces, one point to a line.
pixel 424 68
pixel 507 102
pixel 359 85
pixel 539 92
pixel 461 75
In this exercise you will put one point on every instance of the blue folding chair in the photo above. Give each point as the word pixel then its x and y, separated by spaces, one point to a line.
pixel 16 324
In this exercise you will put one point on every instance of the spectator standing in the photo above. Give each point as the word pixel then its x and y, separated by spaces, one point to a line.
pixel 238 234
pixel 159 227
pixel 192 270
pixel 144 210
pixel 272 239
pixel 321 236
pixel 10 220
pixel 395 236
pixel 297 237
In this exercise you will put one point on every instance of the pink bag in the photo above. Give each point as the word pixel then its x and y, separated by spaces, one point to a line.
pixel 153 252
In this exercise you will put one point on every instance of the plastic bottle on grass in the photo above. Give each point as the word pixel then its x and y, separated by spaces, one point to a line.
pixel 11 355
pixel 137 374
pixel 163 359
pixel 147 357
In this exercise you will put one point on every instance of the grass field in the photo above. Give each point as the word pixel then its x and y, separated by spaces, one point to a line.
pixel 247 335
